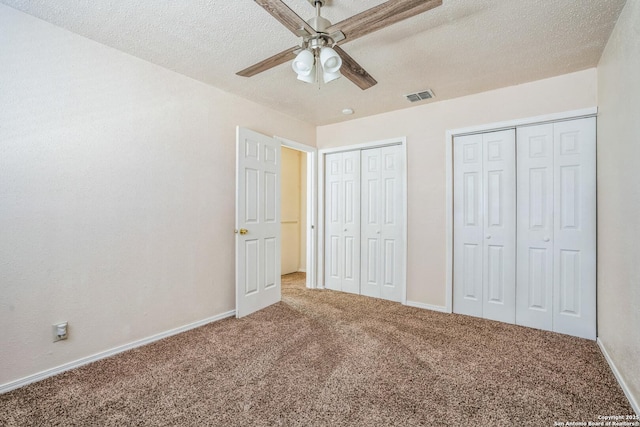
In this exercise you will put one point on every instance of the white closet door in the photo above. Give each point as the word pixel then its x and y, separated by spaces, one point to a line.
pixel 557 227
pixel 342 213
pixel 468 220
pixel 535 227
pixel 499 247
pixel 485 225
pixel 382 213
pixel 333 222
pixel 574 297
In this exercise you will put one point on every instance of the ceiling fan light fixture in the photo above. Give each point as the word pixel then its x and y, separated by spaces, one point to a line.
pixel 330 60
pixel 304 63
pixel 329 77
pixel 309 77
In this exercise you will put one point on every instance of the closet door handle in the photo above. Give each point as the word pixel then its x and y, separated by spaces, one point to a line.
pixel 546 239
pixel 489 237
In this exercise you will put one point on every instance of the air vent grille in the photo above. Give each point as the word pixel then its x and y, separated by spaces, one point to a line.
pixel 420 96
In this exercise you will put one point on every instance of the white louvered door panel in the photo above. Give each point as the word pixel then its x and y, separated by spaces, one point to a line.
pixel 574 295
pixel 468 220
pixel 382 248
pixel 499 248
pixel 342 221
pixel 535 227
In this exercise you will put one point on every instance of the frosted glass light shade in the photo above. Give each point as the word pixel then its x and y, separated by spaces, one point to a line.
pixel 329 77
pixel 303 64
pixel 330 60
pixel 309 77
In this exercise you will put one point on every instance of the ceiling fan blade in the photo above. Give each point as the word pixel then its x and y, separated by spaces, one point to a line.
pixel 287 17
pixel 353 71
pixel 277 59
pixel 381 16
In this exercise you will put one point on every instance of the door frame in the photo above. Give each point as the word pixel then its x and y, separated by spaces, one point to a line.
pixel 312 159
pixel 402 141
pixel 490 127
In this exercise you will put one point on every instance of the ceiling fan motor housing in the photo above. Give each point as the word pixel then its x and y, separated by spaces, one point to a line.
pixel 319 24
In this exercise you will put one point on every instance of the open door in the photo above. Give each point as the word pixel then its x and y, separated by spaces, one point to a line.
pixel 257 222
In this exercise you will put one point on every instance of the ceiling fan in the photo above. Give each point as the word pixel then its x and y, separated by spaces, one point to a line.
pixel 321 39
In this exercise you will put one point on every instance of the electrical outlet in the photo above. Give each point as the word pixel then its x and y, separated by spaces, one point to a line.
pixel 60 331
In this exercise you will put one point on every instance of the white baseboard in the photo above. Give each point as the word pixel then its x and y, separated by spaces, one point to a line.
pixel 439 308
pixel 302 270
pixel 632 401
pixel 107 353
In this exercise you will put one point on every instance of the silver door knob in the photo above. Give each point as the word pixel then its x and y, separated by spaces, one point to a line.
pixel 546 239
pixel 489 237
pixel 345 229
pixel 378 232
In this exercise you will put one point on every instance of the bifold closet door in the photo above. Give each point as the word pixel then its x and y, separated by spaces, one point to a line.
pixel 484 256
pixel 557 227
pixel 342 219
pixel 382 246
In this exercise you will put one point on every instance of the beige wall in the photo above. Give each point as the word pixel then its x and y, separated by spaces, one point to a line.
pixel 290 211
pixel 619 197
pixel 425 128
pixel 117 190
pixel 303 212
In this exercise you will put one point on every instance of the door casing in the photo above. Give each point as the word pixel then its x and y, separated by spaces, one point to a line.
pixel 312 206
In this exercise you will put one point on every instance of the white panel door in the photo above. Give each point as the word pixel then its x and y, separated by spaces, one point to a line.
pixel 499 214
pixel 557 227
pixel 535 226
pixel 468 220
pixel 382 245
pixel 333 222
pixel 574 295
pixel 342 221
pixel 257 222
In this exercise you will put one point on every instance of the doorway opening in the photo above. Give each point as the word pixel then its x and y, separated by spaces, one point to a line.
pixel 293 204
pixel 297 207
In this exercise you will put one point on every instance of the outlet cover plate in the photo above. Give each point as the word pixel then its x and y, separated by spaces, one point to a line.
pixel 56 327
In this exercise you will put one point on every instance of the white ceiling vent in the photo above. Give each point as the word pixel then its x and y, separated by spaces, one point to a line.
pixel 420 96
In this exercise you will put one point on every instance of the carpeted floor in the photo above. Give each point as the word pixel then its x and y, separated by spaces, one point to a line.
pixel 323 358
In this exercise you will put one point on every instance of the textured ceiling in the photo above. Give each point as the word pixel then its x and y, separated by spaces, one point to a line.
pixel 459 48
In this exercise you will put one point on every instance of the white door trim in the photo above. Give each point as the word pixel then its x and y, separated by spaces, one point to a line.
pixel 402 141
pixel 554 117
pixel 312 156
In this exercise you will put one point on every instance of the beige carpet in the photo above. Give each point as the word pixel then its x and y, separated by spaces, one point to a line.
pixel 323 358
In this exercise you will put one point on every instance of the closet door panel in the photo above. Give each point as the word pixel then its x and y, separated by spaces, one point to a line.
pixel 392 214
pixel 575 228
pixel 535 198
pixel 351 221
pixel 468 225
pixel 499 251
pixel 371 223
pixel 334 265
pixel 382 214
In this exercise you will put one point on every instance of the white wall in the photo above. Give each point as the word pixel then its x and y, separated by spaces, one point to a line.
pixel 619 197
pixel 117 190
pixel 425 128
